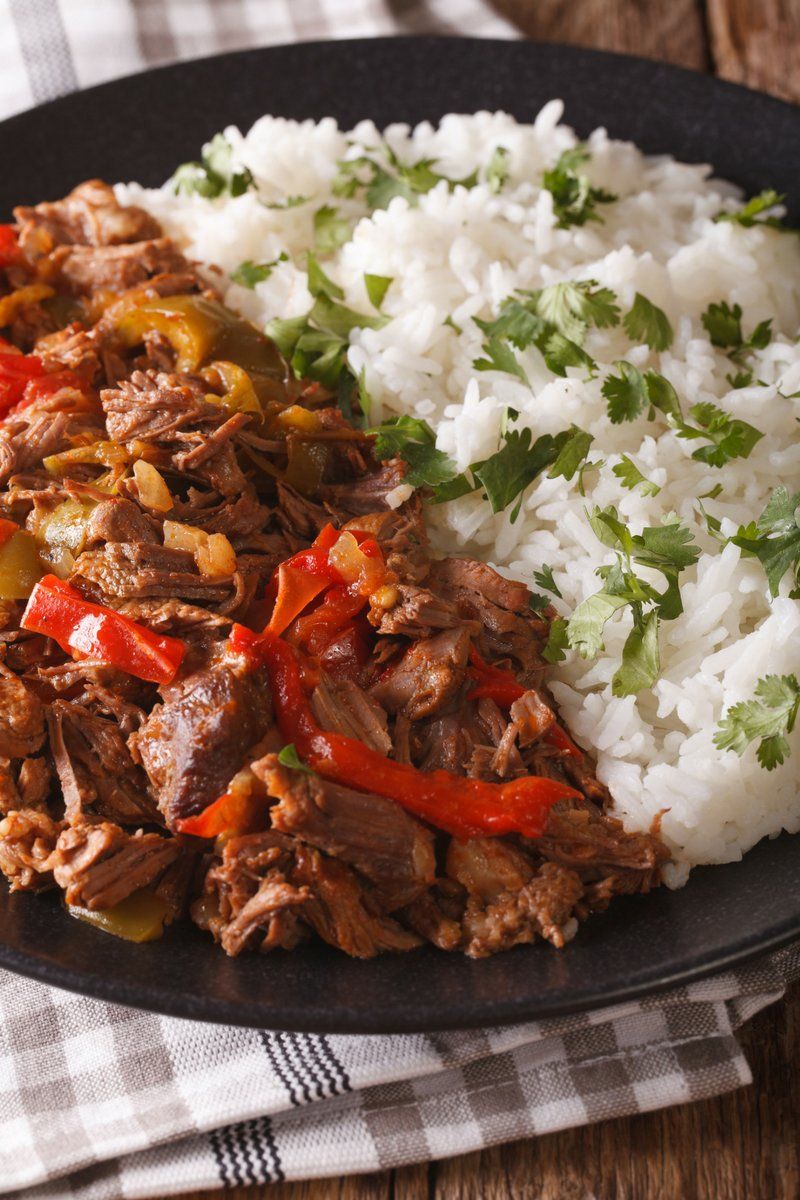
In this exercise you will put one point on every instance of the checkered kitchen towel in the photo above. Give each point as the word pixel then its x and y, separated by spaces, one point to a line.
pixel 99 1102
pixel 102 1102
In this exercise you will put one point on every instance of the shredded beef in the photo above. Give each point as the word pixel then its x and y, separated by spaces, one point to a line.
pixel 99 865
pixel 119 521
pixel 89 216
pixel 89 269
pixel 139 570
pixel 384 844
pixel 428 675
pixel 98 777
pixel 416 612
pixel 27 845
pixel 344 707
pixel 21 718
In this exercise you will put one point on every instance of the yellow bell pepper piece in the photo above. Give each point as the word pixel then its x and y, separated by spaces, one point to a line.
pixel 20 566
pixel 138 918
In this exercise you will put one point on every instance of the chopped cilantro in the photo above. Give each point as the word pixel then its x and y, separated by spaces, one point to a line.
pixel 537 603
pixel 544 579
pixel 497 170
pixel 626 393
pixel 768 719
pixel 330 230
pixel 383 180
pixel 649 324
pixel 414 441
pixel 574 197
pixel 631 477
pixel 728 437
pixel 377 286
pixel 318 282
pixel 557 643
pixel 723 324
pixel 752 213
pixel 668 549
pixel 289 202
pixel 500 357
pixel 507 474
pixel 572 454
pixel 775 539
pixel 572 306
pixel 249 273
pixel 288 757
pixel 450 323
pixel 215 174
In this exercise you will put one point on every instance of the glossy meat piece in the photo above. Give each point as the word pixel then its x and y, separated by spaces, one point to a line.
pixel 89 216
pixel 21 718
pixel 27 842
pixel 194 742
pixel 428 676
pixel 376 836
pixel 99 865
pixel 89 269
pixel 341 706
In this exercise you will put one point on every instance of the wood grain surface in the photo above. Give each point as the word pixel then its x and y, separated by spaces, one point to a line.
pixel 746 1145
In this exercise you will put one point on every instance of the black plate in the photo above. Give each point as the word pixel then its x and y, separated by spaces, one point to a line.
pixel 141 128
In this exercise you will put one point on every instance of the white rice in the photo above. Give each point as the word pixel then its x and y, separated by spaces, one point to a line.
pixel 460 254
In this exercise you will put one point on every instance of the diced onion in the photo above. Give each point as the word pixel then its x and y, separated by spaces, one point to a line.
pixel 183 537
pixel 153 491
pixel 217 558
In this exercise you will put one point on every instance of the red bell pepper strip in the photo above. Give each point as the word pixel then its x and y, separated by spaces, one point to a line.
pixel 16 371
pixel 91 631
pixel 233 812
pixel 7 530
pixel 462 807
pixel 10 253
pixel 501 686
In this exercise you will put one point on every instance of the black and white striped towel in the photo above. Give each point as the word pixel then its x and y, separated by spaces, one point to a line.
pixel 99 1102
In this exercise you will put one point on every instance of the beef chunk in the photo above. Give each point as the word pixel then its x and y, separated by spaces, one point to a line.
pixel 158 407
pixel 89 216
pixel 379 839
pixel 193 744
pixel 89 269
pixel 98 777
pixel 508 627
pixel 186 621
pixel 119 521
pixel 428 675
pixel 27 842
pixel 337 911
pixel 509 901
pixel 301 519
pixel 21 718
pixel 597 847
pixel 99 865
pixel 137 570
pixel 416 612
pixel 426 916
pixel 341 706
pixel 247 903
pixel 366 494
pixel 402 537
pixel 48 427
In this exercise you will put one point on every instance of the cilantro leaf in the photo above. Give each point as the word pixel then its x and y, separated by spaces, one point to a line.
pixel 497 169
pixel 647 323
pixel 289 202
pixel 572 306
pixel 318 282
pixel 585 626
pixel 507 474
pixel 249 273
pixel 775 540
pixel 516 324
pixel 500 357
pixel 768 719
pixel 330 230
pixel 641 661
pixel 752 213
pixel 377 286
pixel 315 345
pixel 384 180
pixel 572 453
pixel 215 175
pixel 574 197
pixel 544 579
pixel 631 477
pixel 728 436
pixel 557 641
pixel 288 757
pixel 723 324
pixel 414 441
pixel 560 352
pixel 626 393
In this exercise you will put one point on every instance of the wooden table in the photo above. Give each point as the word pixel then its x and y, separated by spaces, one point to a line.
pixel 744 1146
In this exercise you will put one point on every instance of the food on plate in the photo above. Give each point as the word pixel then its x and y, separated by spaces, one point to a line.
pixel 399 536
